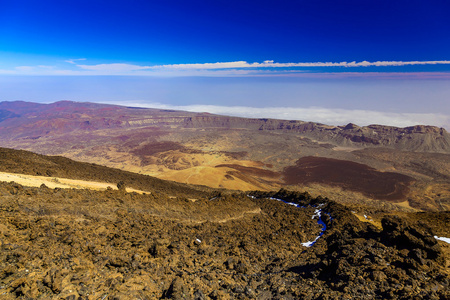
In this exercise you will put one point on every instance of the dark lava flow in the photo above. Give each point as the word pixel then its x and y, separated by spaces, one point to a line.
pixel 348 175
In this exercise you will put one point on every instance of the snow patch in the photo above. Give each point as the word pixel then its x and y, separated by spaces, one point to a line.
pixel 317 214
pixel 309 244
pixel 289 203
pixel 444 239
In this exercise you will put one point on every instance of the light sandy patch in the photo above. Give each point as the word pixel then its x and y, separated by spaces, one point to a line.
pixel 368 219
pixel 345 149
pixel 57 182
pixel 255 211
pixel 210 176
pixel 405 204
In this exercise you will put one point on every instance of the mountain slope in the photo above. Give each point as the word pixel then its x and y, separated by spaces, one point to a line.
pixel 24 162
pixel 239 153
pixel 67 243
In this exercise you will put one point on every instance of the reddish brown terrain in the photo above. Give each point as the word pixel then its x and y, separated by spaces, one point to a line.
pixel 348 175
pixel 205 244
pixel 407 168
pixel 179 241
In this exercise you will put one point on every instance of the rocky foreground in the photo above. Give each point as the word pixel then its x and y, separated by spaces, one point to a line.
pixel 82 244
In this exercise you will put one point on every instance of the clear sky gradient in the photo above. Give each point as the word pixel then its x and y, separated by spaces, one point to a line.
pixel 327 61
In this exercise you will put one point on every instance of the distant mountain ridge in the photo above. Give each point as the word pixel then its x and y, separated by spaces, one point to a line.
pixel 419 138
pixel 36 120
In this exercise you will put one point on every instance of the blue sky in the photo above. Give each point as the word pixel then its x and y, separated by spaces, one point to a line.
pixel 362 61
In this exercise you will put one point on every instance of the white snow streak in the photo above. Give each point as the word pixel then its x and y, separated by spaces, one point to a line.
pixel 444 239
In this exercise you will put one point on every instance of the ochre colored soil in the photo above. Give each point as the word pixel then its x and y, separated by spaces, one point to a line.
pixel 157 147
pixel 24 162
pixel 251 170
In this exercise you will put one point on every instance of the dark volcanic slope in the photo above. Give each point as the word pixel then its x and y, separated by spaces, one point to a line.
pixel 24 162
pixel 81 244
pixel 348 175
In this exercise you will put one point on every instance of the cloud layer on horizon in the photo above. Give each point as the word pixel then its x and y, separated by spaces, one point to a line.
pixel 316 114
pixel 251 68
pixel 268 67
pixel 272 64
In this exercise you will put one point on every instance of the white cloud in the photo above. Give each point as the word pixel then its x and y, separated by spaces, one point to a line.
pixel 39 70
pixel 46 67
pixel 116 67
pixel 74 60
pixel 25 68
pixel 317 114
pixel 235 68
pixel 272 64
pixel 7 72
pixel 207 66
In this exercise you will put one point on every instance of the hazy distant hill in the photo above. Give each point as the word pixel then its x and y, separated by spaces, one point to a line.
pixel 67 116
pixel 415 138
pixel 403 166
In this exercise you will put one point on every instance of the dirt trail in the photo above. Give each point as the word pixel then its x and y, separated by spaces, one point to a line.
pixel 58 182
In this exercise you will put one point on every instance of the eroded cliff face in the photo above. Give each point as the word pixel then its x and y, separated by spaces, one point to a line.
pixel 414 138
pixel 418 138
pixel 30 120
pixel 211 121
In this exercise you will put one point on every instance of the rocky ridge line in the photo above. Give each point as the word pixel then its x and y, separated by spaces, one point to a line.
pixel 59 117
